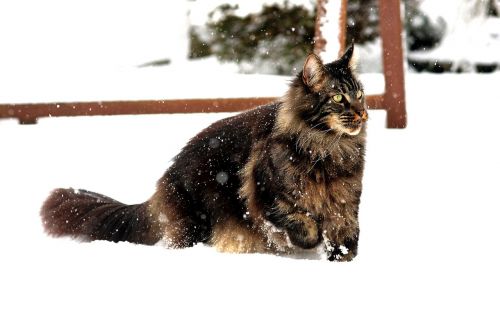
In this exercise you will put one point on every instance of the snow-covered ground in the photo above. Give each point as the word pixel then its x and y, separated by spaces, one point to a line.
pixel 428 259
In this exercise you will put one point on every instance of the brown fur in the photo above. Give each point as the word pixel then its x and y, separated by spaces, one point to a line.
pixel 92 216
pixel 277 179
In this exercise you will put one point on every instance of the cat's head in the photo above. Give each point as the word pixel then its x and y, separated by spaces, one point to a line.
pixel 334 98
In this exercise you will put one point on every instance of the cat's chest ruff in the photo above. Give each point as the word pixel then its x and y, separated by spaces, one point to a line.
pixel 324 198
pixel 325 186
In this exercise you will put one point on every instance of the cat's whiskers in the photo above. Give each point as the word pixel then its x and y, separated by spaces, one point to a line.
pixel 337 139
pixel 297 148
pixel 314 164
pixel 318 124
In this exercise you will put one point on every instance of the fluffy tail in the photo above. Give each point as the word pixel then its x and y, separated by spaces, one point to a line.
pixel 92 216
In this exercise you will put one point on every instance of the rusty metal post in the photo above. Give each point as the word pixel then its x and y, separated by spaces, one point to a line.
pixel 392 53
pixel 319 39
pixel 343 26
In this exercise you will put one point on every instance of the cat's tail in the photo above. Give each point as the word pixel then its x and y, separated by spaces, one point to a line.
pixel 92 216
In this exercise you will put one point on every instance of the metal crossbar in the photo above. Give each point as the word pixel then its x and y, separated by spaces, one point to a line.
pixel 392 100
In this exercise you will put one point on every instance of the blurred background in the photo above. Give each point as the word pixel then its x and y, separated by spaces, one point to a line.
pixel 260 36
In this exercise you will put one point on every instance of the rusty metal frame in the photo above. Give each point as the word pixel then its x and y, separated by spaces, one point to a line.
pixel 392 100
pixel 29 113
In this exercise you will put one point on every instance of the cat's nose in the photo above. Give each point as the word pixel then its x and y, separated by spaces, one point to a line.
pixel 364 115
pixel 361 115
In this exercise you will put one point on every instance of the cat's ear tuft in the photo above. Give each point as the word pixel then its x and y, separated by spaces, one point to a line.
pixel 313 72
pixel 346 60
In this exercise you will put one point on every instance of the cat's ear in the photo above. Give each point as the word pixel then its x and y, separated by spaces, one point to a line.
pixel 347 60
pixel 313 72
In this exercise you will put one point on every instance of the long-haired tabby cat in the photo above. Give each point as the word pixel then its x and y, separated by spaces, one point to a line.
pixel 280 178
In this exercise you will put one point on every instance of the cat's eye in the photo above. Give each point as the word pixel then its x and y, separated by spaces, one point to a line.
pixel 338 98
pixel 359 94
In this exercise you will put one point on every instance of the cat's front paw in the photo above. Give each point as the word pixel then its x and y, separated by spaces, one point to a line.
pixel 303 233
pixel 336 252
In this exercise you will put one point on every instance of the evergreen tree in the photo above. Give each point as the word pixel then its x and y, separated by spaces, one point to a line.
pixel 276 39
pixel 362 21
pixel 421 32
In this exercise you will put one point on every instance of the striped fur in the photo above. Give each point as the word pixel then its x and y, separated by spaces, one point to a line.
pixel 281 178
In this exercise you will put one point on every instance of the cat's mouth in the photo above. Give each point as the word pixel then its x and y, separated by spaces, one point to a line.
pixel 348 126
pixel 354 128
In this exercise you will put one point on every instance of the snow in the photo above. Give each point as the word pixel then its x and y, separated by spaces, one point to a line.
pixel 369 57
pixel 482 40
pixel 222 177
pixel 471 37
pixel 83 34
pixel 429 231
pixel 171 82
pixel 455 12
pixel 113 33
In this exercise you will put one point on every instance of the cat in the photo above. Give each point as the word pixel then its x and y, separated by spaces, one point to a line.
pixel 281 178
